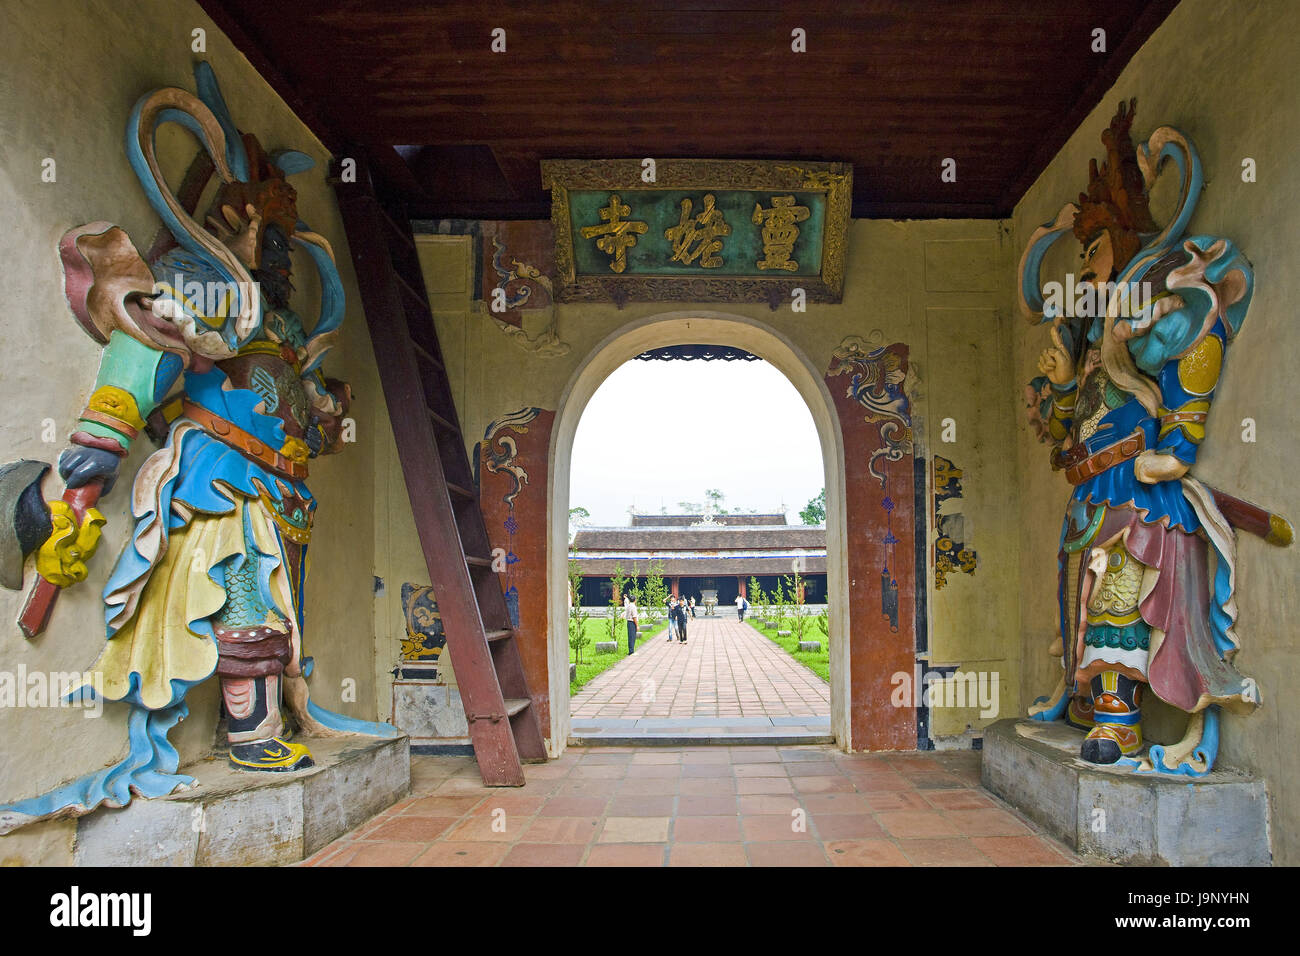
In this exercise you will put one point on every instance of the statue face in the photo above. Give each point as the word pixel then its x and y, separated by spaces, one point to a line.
pixel 1098 259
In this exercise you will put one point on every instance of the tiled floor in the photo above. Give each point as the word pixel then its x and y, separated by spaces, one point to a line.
pixel 702 806
pixel 725 669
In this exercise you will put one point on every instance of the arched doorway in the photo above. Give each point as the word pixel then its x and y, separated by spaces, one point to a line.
pixel 682 328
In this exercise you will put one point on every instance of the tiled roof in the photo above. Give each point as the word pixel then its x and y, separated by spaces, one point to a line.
pixel 713 539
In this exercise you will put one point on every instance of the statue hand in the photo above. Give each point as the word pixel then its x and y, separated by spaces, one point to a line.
pixel 80 465
pixel 1055 362
pixel 1151 468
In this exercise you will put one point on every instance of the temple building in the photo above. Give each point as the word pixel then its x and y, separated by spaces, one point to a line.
pixel 717 554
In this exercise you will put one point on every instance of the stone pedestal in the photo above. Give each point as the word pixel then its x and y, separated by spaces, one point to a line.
pixel 1221 819
pixel 234 818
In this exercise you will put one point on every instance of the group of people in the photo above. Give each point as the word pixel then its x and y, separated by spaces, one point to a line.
pixel 679 611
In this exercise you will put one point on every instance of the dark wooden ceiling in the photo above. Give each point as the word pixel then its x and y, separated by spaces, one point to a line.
pixel 893 87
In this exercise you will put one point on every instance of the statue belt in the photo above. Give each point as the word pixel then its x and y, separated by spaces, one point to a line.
pixel 1079 468
pixel 248 445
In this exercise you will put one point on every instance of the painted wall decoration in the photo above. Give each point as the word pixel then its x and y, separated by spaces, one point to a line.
pixel 698 230
pixel 424 638
pixel 512 471
pixel 868 383
pixel 211 579
pixel 951 554
pixel 516 273
pixel 1137 347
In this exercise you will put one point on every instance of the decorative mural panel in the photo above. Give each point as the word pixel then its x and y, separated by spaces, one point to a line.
pixel 512 471
pixel 424 639
pixel 866 381
pixel 698 230
pixel 950 551
pixel 518 263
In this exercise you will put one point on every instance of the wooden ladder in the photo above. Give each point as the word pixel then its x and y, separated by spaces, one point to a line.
pixel 502 715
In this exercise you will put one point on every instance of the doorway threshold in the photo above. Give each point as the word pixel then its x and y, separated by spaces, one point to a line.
pixel 700 731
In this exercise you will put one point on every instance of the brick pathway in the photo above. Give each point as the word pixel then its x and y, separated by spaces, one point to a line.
pixel 703 806
pixel 726 678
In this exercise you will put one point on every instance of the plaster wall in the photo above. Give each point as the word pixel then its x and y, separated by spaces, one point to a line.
pixel 1224 74
pixel 73 70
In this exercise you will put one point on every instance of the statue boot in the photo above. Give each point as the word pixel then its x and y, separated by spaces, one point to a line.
pixel 1118 729
pixel 1081 713
pixel 256 728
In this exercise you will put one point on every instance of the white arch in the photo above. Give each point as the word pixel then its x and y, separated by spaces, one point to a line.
pixel 686 328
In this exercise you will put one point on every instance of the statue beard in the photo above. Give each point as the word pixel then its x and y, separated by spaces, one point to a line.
pixel 1118 362
pixel 276 286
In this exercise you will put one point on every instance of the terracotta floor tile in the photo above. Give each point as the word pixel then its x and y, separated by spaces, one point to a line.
pixel 774 826
pixel 1021 851
pixel 846 826
pixel 708 787
pixel 959 800
pixel 649 786
pixel 714 755
pixel 650 771
pixel 462 854
pixel 562 806
pixel 895 800
pixel 787 854
pixel 920 824
pixel 707 854
pixel 741 755
pixel 935 781
pixel 824 803
pixel 950 852
pixel 813 768
pixel 444 805
pixel 822 784
pixel 514 804
pixel 635 830
pixel 604 756
pixel 585 787
pixel 691 805
pixel 386 854
pixel 866 853
pixel 706 829
pixel 993 822
pixel 806 754
pixel 412 829
pixel 340 856
pixel 599 771
pixel 487 829
pixel 878 780
pixel 700 770
pixel 655 805
pixel 544 854
pixel 764 785
pixel 561 830
pixel 627 854
pixel 754 804
pixel 656 757
pixel 771 769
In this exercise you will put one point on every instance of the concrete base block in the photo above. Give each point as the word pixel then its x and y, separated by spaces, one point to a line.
pixel 431 712
pixel 606 647
pixel 1221 819
pixel 235 818
pixel 573 672
pixel 810 645
pixel 784 633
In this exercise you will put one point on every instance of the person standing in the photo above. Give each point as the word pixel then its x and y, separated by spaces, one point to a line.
pixel 741 607
pixel 690 603
pixel 681 621
pixel 630 614
pixel 672 619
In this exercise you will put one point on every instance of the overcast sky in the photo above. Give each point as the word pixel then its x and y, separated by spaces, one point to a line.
pixel 737 426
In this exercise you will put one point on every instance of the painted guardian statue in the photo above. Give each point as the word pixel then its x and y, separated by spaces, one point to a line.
pixel 1138 342
pixel 211 581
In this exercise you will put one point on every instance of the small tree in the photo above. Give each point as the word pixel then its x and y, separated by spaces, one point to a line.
pixel 777 599
pixel 654 594
pixel 815 512
pixel 578 637
pixel 795 584
pixel 756 598
pixel 619 581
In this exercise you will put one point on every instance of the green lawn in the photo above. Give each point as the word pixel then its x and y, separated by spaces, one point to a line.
pixel 819 662
pixel 594 663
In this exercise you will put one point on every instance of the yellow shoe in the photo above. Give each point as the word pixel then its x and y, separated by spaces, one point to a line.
pixel 275 755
